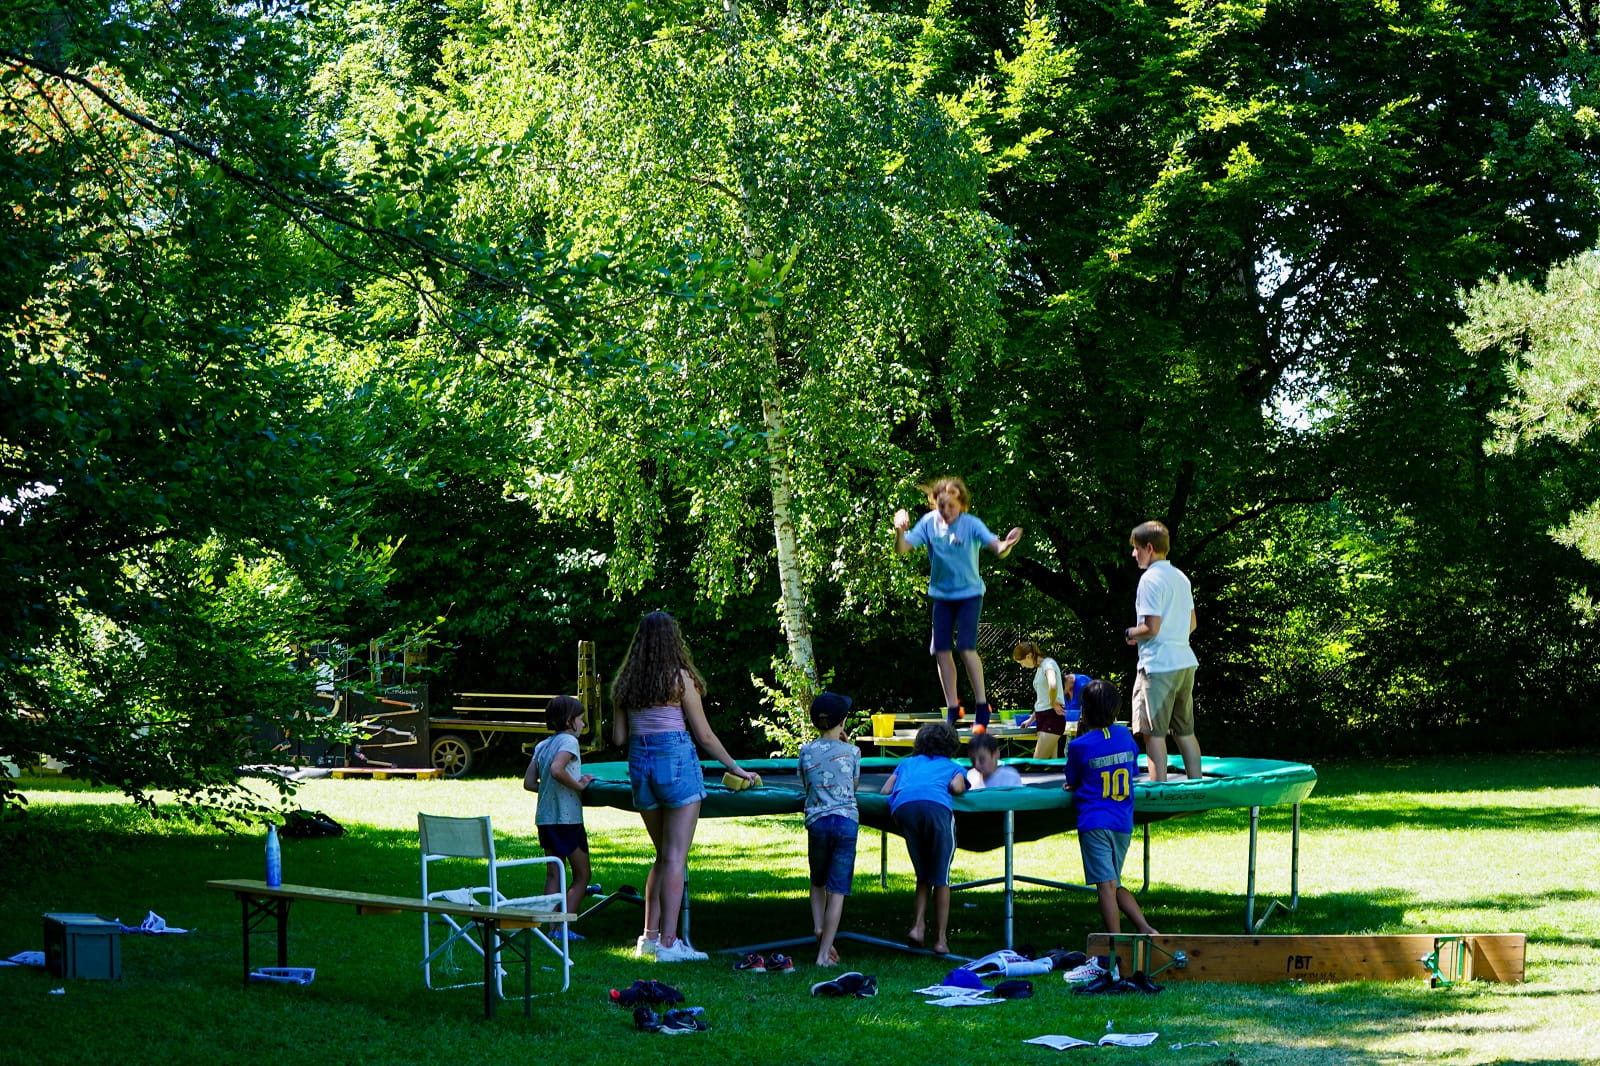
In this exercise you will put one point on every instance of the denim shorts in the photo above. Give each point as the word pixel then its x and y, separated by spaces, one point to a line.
pixel 1103 851
pixel 831 845
pixel 664 770
pixel 930 832
pixel 955 624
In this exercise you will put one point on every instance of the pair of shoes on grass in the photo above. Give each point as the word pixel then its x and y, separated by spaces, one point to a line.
pixel 672 1022
pixel 753 963
pixel 862 986
pixel 646 992
pixel 1109 984
pixel 1086 970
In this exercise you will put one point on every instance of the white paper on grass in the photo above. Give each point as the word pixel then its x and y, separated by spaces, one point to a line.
pixel 1061 1043
pixel 963 1001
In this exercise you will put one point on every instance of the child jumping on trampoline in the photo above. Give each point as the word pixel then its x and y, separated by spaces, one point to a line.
pixel 953 537
pixel 1101 762
pixel 556 773
pixel 830 769
pixel 919 794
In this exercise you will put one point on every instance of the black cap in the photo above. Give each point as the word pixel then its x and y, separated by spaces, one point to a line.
pixel 828 709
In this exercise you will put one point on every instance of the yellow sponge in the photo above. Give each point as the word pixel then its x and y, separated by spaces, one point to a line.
pixel 739 784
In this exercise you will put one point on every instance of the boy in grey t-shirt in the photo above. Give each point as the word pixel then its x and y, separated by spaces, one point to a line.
pixel 829 770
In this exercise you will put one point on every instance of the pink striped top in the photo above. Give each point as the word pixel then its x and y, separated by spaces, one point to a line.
pixel 662 718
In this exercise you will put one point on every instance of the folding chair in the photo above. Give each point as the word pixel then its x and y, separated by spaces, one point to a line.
pixel 444 838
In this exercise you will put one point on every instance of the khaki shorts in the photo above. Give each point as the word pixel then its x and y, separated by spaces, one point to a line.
pixel 1163 704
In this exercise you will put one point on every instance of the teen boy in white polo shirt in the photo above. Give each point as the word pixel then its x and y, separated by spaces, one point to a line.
pixel 1163 689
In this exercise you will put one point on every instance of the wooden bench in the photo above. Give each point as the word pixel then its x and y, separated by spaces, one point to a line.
pixel 1442 958
pixel 264 908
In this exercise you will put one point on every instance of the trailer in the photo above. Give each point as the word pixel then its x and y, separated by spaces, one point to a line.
pixel 478 721
pixel 396 727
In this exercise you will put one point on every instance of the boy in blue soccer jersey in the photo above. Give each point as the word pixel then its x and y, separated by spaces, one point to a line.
pixel 1101 762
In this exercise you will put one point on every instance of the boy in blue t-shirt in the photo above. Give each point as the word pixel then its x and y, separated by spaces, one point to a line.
pixel 1101 763
pixel 919 793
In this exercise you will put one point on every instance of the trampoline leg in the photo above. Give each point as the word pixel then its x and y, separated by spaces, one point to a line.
pixel 1146 886
pixel 1011 893
pixel 883 858
pixel 1250 883
pixel 1294 862
pixel 683 915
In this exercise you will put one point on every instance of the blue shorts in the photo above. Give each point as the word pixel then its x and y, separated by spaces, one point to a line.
pixel 664 770
pixel 1103 851
pixel 930 832
pixel 563 839
pixel 955 624
pixel 831 846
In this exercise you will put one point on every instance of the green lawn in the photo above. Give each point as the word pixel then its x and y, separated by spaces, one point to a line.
pixel 1436 845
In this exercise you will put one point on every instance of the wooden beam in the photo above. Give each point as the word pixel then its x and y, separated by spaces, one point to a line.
pixel 1262 959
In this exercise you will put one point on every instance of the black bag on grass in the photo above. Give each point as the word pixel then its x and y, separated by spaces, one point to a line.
pixel 306 825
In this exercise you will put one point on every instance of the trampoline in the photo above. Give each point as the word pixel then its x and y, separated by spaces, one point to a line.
pixel 999 818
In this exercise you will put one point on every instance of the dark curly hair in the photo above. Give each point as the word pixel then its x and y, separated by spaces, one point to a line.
pixel 652 672
pixel 936 738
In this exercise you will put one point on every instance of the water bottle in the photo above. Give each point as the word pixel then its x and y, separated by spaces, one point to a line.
pixel 274 858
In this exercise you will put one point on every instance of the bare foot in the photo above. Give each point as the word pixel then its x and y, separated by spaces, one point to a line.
pixel 914 938
pixel 941 948
pixel 833 955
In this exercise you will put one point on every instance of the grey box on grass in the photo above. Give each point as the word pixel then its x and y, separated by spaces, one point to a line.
pixel 83 945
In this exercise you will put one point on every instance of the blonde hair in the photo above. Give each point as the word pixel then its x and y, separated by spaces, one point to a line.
pixel 953 485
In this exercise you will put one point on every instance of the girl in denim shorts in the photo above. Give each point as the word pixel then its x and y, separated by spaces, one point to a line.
pixel 659 717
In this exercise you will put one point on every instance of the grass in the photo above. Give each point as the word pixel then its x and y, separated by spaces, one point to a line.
pixel 1455 845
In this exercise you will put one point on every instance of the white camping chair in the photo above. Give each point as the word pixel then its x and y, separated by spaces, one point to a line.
pixel 444 837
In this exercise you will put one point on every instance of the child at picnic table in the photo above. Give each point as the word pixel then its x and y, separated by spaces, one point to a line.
pixel 556 773
pixel 1101 762
pixel 1055 694
pixel 953 538
pixel 830 768
pixel 919 793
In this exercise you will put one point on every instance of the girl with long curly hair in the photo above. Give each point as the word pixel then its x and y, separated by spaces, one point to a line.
pixel 659 717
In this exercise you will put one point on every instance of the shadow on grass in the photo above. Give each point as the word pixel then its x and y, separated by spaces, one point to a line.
pixel 1519 773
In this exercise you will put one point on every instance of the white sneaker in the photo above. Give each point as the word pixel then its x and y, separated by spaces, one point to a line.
pixel 679 951
pixel 646 949
pixel 1087 972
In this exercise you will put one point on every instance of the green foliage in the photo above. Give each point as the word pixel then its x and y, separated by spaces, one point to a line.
pixel 1553 369
pixel 786 150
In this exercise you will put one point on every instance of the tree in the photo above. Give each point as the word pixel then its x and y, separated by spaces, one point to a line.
pixel 792 151
pixel 1240 244
pixel 186 481
pixel 1553 371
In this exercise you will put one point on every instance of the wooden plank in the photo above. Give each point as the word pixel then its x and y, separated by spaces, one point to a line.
pixel 1312 958
pixel 383 773
pixel 1499 957
pixel 376 903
